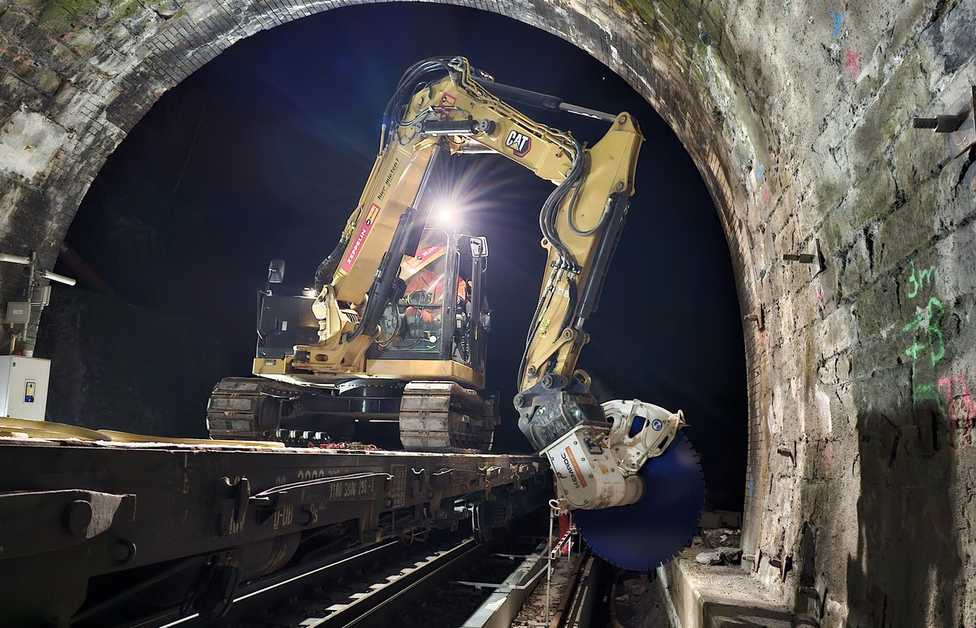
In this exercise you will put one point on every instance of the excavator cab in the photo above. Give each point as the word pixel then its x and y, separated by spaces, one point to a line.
pixel 443 313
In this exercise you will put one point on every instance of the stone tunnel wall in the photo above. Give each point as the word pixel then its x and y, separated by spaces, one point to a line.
pixel 862 470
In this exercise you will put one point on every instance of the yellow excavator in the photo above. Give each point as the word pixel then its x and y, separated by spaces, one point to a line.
pixel 394 330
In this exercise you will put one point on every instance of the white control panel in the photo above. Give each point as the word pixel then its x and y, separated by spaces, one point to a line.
pixel 23 387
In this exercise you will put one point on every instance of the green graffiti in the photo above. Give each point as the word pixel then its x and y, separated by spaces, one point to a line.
pixel 925 326
pixel 926 335
pixel 914 350
pixel 927 391
pixel 918 279
pixel 926 317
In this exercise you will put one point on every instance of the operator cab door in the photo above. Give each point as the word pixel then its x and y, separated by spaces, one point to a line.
pixel 435 319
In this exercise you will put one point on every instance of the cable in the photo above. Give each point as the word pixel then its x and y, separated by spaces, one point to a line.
pixel 571 209
pixel 550 209
pixel 400 100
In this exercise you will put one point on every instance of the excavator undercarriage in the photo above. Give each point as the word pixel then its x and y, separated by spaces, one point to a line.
pixel 390 414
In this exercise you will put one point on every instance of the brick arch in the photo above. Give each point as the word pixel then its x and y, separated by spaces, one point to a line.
pixel 797 116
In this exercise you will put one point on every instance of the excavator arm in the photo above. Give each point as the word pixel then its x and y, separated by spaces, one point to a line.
pixel 448 114
pixel 458 113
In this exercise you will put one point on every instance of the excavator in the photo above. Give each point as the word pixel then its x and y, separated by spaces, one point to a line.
pixel 393 333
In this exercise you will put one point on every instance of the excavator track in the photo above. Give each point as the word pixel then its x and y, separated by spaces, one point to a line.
pixel 433 416
pixel 247 408
pixel 445 417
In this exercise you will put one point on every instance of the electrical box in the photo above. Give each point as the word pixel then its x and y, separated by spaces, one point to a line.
pixel 23 387
pixel 18 313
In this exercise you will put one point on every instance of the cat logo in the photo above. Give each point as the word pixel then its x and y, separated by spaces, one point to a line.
pixel 519 143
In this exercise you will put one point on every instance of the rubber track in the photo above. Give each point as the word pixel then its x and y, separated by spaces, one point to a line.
pixel 434 416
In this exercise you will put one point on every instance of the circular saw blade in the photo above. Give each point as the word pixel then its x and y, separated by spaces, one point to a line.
pixel 641 536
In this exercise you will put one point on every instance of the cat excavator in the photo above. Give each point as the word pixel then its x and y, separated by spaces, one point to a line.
pixel 393 332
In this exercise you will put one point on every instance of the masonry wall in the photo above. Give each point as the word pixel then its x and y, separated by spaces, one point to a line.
pixel 106 366
pixel 862 473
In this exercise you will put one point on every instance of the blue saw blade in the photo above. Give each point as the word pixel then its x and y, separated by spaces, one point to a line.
pixel 641 536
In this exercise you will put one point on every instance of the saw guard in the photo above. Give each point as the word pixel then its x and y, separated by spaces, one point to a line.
pixel 657 429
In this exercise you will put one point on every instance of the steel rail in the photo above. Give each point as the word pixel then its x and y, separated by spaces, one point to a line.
pixel 578 603
pixel 378 598
pixel 381 598
pixel 282 580
pixel 366 609
pixel 504 604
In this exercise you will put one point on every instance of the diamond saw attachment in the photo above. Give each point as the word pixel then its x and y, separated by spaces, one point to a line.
pixel 633 481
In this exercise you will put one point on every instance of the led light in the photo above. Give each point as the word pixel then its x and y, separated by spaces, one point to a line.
pixel 444 213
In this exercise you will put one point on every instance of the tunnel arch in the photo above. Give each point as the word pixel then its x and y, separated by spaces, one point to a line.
pixel 173 42
pixel 801 134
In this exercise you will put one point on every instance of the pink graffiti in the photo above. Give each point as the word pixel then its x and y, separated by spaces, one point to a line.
pixel 820 295
pixel 852 63
pixel 828 456
pixel 960 408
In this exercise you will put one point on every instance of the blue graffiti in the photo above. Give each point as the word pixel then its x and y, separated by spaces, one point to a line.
pixel 838 18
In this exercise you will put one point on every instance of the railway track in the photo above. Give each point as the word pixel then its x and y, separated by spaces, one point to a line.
pixel 453 580
pixel 373 601
pixel 392 583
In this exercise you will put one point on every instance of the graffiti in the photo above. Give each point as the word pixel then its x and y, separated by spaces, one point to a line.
pixel 951 392
pixel 926 391
pixel 960 409
pixel 917 280
pixel 838 19
pixel 852 63
pixel 924 331
pixel 761 185
pixel 925 327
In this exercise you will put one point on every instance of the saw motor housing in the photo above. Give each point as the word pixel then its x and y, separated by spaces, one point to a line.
pixel 596 464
